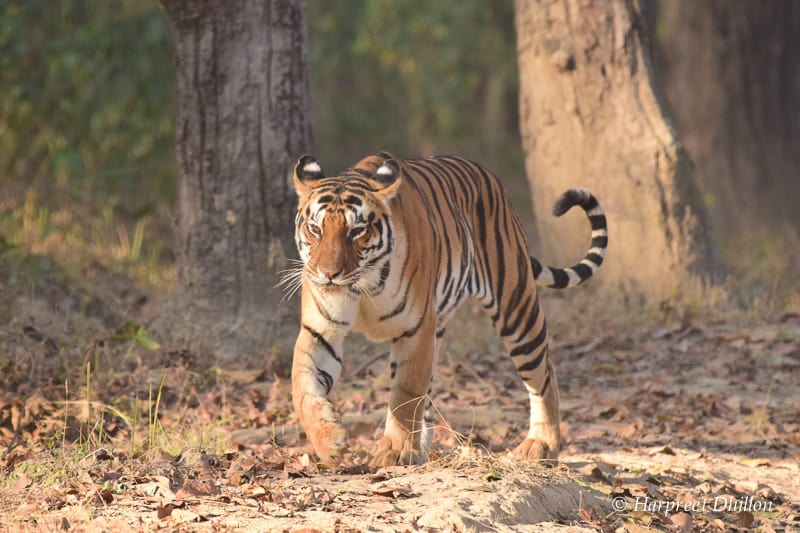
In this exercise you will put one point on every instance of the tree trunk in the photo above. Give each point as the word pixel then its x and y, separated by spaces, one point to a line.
pixel 731 78
pixel 243 109
pixel 589 116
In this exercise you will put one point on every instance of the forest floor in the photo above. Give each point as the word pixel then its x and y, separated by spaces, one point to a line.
pixel 690 424
pixel 693 427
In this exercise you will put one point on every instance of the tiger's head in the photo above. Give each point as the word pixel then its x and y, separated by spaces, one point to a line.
pixel 343 226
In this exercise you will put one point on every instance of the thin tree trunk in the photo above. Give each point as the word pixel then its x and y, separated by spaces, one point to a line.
pixel 731 78
pixel 243 109
pixel 589 115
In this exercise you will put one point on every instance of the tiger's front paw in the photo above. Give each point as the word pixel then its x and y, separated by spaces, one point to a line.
pixel 392 452
pixel 326 433
pixel 536 450
pixel 329 441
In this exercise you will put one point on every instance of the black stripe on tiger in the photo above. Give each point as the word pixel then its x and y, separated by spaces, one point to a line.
pixel 319 338
pixel 546 384
pixel 324 379
pixel 413 330
pixel 530 346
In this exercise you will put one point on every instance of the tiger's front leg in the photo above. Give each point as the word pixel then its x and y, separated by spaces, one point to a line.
pixel 412 366
pixel 316 366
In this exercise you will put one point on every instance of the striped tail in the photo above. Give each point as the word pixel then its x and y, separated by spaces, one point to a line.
pixel 564 278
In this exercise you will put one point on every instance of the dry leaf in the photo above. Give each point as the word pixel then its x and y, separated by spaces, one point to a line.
pixel 767 528
pixel 197 487
pixel 104 496
pixel 159 487
pixel 392 492
pixel 719 524
pixel 744 519
pixel 629 431
pixel 636 528
pixel 755 462
pixel 182 516
pixel 388 472
pixel 21 483
pixel 609 368
pixel 254 491
pixel 164 511
pixel 241 377
pixel 644 517
pixel 767 493
pixel 682 520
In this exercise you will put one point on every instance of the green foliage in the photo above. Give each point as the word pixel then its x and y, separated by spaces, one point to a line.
pixel 415 78
pixel 137 335
pixel 38 243
pixel 87 97
pixel 87 90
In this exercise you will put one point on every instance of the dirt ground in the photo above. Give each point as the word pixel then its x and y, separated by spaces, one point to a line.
pixel 692 426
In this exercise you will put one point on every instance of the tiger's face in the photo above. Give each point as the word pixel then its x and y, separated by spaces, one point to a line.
pixel 343 227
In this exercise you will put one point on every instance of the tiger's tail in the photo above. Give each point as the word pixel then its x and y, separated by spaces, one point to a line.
pixel 564 278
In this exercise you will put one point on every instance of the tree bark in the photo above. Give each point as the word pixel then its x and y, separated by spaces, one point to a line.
pixel 731 78
pixel 590 116
pixel 243 108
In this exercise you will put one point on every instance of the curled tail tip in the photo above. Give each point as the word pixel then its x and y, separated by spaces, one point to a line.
pixel 562 278
pixel 572 197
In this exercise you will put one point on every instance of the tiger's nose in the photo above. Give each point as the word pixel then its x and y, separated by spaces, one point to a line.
pixel 329 274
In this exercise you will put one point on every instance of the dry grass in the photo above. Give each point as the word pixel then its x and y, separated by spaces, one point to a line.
pixel 77 235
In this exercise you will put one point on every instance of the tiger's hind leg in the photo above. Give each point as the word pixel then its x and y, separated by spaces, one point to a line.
pixel 543 440
pixel 524 334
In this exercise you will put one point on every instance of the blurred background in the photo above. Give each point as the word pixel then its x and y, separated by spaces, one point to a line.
pixel 87 110
pixel 87 90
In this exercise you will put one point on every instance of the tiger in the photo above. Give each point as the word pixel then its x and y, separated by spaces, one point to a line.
pixel 390 247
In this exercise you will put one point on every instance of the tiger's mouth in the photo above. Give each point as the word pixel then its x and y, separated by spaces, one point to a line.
pixel 339 280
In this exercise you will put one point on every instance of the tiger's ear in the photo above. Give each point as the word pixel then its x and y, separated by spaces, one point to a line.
pixel 388 175
pixel 306 172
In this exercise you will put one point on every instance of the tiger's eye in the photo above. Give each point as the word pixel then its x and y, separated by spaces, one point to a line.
pixel 313 229
pixel 357 233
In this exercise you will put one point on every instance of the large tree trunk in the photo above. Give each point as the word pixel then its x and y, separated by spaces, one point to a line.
pixel 731 78
pixel 243 117
pixel 589 116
